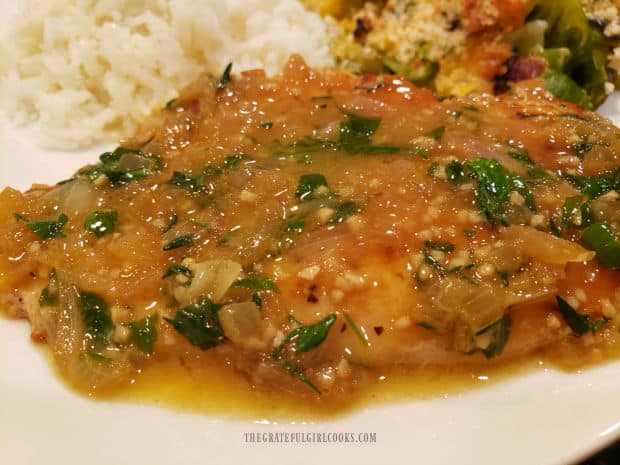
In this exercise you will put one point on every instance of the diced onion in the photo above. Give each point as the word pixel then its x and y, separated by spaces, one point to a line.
pixel 545 247
pixel 211 279
pixel 75 197
pixel 241 322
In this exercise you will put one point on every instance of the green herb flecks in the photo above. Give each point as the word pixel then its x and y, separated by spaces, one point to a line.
pixel 600 238
pixel 226 238
pixel 455 172
pixel 231 163
pixel 426 325
pixel 196 184
pixel 595 186
pixel 309 185
pixel 503 276
pixel 443 246
pixel 355 137
pixel 437 133
pixel 306 338
pixel 124 165
pixel 578 322
pixel 178 269
pixel 144 333
pixel 95 315
pixel 570 210
pixel 101 223
pixel 494 185
pixel 257 299
pixel 185 240
pixel 186 182
pixel 46 229
pixel 521 155
pixel 554 228
pixel 343 211
pixel 256 283
pixel 296 224
pixel 49 295
pixel 174 219
pixel 362 336
pixel 170 104
pixel 499 333
pixel 199 324
pixel 222 83
pixel 295 372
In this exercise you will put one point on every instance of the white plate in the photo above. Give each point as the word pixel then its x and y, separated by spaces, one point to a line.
pixel 544 418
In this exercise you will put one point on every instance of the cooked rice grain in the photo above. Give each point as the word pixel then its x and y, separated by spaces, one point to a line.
pixel 91 71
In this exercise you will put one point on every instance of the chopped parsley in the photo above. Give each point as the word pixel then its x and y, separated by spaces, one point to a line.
pixel 306 338
pixel 181 241
pixel 101 223
pixel 174 219
pixel 124 165
pixel 231 162
pixel 521 155
pixel 256 283
pixel 578 322
pixel 308 185
pixel 226 238
pixel 503 276
pixel 363 338
pixel 49 295
pixel 437 133
pixel 95 315
pixel 144 333
pixel 46 229
pixel 222 83
pixel 440 245
pixel 199 324
pixel 499 332
pixel 455 172
pixel 595 186
pixel 494 185
pixel 178 269
pixel 195 184
pixel 570 209
pixel 186 182
pixel 600 238
pixel 355 137
pixel 343 211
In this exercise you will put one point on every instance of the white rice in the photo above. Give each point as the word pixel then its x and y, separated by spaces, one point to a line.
pixel 90 71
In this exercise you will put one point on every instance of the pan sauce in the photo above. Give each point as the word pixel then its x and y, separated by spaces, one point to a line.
pixel 310 233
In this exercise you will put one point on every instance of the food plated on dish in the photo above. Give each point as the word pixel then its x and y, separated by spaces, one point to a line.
pixel 372 143
pixel 315 230
pixel 314 233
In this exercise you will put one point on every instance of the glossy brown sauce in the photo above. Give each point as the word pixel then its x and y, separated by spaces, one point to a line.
pixel 204 387
pixel 207 388
pixel 368 266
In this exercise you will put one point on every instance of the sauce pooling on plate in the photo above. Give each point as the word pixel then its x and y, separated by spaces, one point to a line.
pixel 313 230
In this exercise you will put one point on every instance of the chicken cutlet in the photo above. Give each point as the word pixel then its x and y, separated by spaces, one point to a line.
pixel 310 227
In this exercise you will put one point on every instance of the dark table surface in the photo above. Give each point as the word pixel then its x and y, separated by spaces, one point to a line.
pixel 609 456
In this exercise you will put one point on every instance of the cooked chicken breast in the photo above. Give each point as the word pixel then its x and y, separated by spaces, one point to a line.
pixel 310 227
